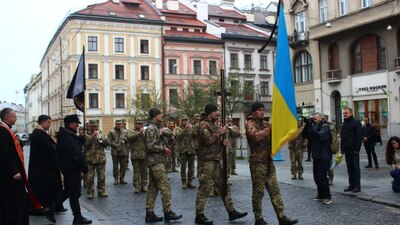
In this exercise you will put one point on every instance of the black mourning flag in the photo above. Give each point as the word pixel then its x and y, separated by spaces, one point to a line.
pixel 77 87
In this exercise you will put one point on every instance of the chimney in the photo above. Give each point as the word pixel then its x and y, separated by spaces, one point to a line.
pixel 173 5
pixel 159 4
pixel 259 18
pixel 227 3
pixel 115 1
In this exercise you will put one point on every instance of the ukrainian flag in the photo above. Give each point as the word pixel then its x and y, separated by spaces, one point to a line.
pixel 284 117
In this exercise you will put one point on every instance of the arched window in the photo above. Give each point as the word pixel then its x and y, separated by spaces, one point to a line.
pixel 333 54
pixel 369 54
pixel 303 68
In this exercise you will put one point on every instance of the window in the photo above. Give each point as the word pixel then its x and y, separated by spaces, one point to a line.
pixel 263 62
pixel 92 43
pixel 323 10
pixel 366 3
pixel 333 55
pixel 144 46
pixel 119 44
pixel 197 67
pixel 303 68
pixel 357 59
pixel 264 88
pixel 212 65
pixel 235 21
pixel 235 88
pixel 119 72
pixel 247 61
pixel 93 100
pixel 120 100
pixel 381 54
pixel 234 60
pixel 369 54
pixel 248 90
pixel 221 20
pixel 174 29
pixel 144 73
pixel 343 7
pixel 172 66
pixel 93 71
pixel 197 30
pixel 145 101
pixel 185 29
pixel 300 22
pixel 173 97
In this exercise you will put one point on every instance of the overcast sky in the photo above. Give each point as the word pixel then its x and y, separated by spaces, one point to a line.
pixel 27 28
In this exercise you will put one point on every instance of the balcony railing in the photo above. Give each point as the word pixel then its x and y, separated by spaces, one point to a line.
pixel 298 39
pixel 397 65
pixel 334 76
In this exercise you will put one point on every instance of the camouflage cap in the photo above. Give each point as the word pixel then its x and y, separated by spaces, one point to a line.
pixel 123 121
pixel 171 123
pixel 196 116
pixel 184 117
pixel 94 123
pixel 139 120
pixel 118 121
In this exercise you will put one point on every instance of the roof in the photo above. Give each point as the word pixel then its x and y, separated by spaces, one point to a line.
pixel 123 9
pixel 195 35
pixel 216 10
pixel 241 30
pixel 182 21
pixel 15 107
pixel 183 9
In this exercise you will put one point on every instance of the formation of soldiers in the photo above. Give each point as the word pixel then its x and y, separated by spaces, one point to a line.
pixel 157 150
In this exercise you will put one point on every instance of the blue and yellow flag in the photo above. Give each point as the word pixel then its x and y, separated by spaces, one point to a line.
pixel 284 117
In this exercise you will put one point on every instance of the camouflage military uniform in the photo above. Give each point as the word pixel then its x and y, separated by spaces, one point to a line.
pixel 156 137
pixel 296 148
pixel 187 154
pixel 137 144
pixel 232 134
pixel 96 159
pixel 117 139
pixel 170 163
pixel 209 157
pixel 262 169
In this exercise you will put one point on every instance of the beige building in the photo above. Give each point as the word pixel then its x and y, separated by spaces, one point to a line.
pixel 33 102
pixel 122 42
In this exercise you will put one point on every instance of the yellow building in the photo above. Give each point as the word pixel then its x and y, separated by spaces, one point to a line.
pixel 122 40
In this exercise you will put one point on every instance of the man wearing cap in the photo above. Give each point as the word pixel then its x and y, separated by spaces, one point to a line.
pixel 72 163
pixel 186 151
pixel 210 166
pixel 262 169
pixel 96 158
pixel 156 153
pixel 44 174
pixel 171 159
pixel 232 135
pixel 126 130
pixel 137 145
pixel 117 139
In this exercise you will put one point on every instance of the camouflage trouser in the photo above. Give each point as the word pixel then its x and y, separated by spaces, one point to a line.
pixel 100 168
pixel 211 172
pixel 127 160
pixel 170 163
pixel 263 178
pixel 158 182
pixel 296 161
pixel 231 164
pixel 187 160
pixel 119 160
pixel 140 173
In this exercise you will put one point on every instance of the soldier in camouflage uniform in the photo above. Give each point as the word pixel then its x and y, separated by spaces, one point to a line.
pixel 137 145
pixel 96 159
pixel 126 130
pixel 262 168
pixel 171 159
pixel 232 134
pixel 156 153
pixel 186 151
pixel 297 146
pixel 117 139
pixel 210 166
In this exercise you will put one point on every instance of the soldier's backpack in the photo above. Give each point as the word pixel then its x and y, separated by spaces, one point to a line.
pixel 333 140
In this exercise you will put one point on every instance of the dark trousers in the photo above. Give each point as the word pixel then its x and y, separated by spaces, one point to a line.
pixel 396 180
pixel 309 152
pixel 72 190
pixel 370 149
pixel 320 169
pixel 353 168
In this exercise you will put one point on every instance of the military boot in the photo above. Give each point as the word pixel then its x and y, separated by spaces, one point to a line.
pixel 190 185
pixel 144 189
pixel 294 176
pixel 236 215
pixel 122 180
pixel 286 221
pixel 90 195
pixel 260 222
pixel 168 216
pixel 184 186
pixel 201 219
pixel 136 189
pixel 115 181
pixel 300 176
pixel 151 217
pixel 81 220
pixel 103 194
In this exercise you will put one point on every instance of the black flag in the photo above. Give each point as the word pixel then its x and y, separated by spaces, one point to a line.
pixel 77 87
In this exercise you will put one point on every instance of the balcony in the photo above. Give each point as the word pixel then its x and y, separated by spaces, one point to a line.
pixel 299 39
pixel 334 76
pixel 397 65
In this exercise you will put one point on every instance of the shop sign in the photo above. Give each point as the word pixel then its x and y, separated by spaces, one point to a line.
pixel 344 104
pixel 374 88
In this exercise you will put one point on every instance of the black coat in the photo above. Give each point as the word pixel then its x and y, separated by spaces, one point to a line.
pixel 351 135
pixel 368 131
pixel 13 196
pixel 69 151
pixel 44 174
pixel 318 135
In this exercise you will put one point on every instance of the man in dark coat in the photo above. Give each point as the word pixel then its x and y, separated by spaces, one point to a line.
pixel 13 196
pixel 351 139
pixel 369 134
pixel 72 163
pixel 44 174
